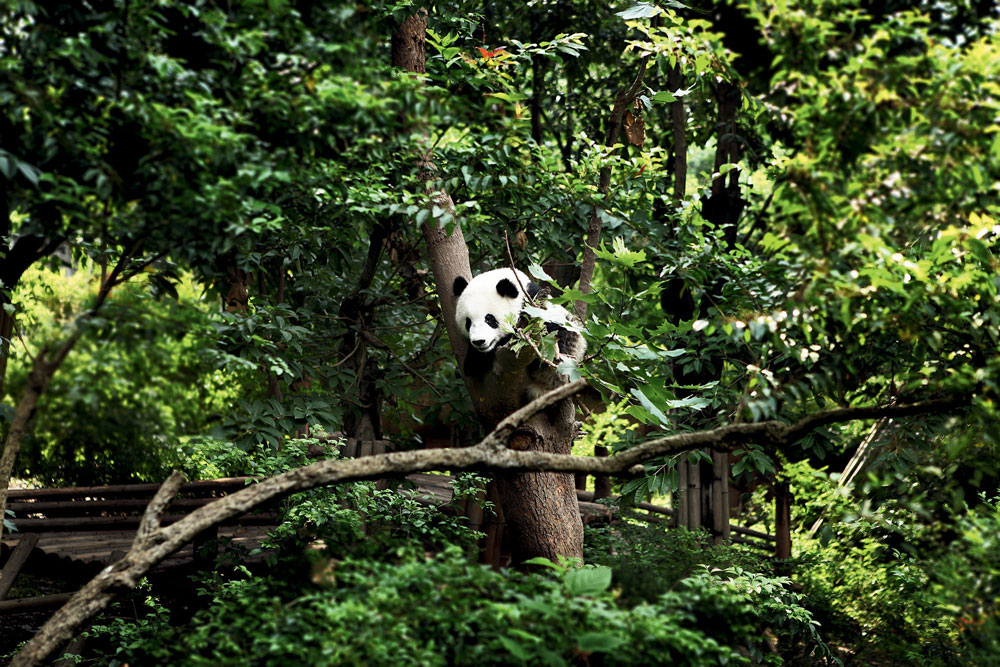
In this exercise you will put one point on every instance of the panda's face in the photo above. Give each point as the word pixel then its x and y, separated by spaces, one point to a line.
pixel 488 307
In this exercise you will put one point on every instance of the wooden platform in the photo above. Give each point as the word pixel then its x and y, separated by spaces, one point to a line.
pixel 106 535
pixel 82 553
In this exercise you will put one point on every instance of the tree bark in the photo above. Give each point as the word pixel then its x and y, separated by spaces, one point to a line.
pixel 541 509
pixel 782 521
pixel 723 208
pixel 537 79
pixel 725 203
pixel 42 370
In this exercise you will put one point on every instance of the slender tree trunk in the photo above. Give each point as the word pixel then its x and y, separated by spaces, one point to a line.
pixel 541 509
pixel 44 367
pixel 782 520
pixel 6 331
pixel 235 287
pixel 42 370
pixel 709 506
pixel 366 423
pixel 537 79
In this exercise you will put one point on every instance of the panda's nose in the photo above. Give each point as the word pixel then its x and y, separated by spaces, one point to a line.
pixel 480 342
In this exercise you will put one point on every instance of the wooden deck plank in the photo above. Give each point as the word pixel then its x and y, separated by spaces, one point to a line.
pixel 225 484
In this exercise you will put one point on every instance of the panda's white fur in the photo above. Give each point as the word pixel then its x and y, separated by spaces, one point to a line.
pixel 487 311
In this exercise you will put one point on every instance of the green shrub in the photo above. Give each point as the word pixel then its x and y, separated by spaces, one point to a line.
pixel 354 518
pixel 891 588
pixel 445 610
pixel 648 560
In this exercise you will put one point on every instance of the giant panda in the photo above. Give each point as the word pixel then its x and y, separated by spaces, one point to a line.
pixel 487 310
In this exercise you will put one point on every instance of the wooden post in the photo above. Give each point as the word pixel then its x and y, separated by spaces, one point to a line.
pixel 25 545
pixel 681 513
pixel 472 510
pixel 602 483
pixel 693 494
pixel 707 477
pixel 782 521
pixel 720 497
pixel 494 529
pixel 40 602
pixel 378 447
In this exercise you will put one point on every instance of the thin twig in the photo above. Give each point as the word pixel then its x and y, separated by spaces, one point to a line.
pixel 510 258
pixel 600 348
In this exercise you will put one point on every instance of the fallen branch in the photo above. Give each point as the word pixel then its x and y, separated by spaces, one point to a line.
pixel 153 543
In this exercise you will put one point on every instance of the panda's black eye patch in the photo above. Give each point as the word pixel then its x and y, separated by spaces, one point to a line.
pixel 492 321
pixel 468 323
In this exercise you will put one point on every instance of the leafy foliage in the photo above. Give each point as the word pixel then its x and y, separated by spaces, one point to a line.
pixel 447 611
pixel 137 383
pixel 649 560
pixel 268 147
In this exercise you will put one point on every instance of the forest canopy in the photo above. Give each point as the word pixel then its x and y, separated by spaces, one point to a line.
pixel 225 244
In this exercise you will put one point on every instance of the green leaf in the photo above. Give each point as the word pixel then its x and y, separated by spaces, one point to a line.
pixel 515 648
pixel 648 404
pixel 543 562
pixel 538 272
pixel 599 642
pixel 981 252
pixel 589 581
pixel 30 172
pixel 691 402
pixel 642 10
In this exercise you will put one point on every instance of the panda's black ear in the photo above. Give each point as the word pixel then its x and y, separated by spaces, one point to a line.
pixel 459 285
pixel 533 290
pixel 506 288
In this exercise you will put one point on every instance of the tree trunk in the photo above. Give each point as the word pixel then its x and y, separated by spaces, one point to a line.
pixel 541 509
pixel 235 287
pixel 6 331
pixel 623 102
pixel 366 424
pixel 42 370
pixel 782 520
